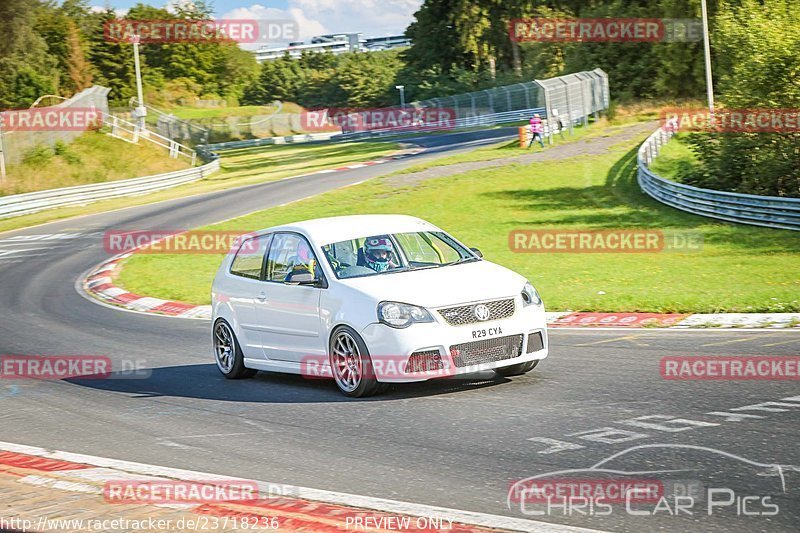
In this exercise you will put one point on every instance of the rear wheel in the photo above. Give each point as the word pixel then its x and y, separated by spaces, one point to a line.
pixel 228 354
pixel 351 365
pixel 516 370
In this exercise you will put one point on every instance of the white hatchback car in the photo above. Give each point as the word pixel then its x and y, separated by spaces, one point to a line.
pixel 371 299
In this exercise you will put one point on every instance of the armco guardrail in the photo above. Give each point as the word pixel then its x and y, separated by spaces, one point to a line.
pixel 250 143
pixel 493 119
pixel 23 204
pixel 769 211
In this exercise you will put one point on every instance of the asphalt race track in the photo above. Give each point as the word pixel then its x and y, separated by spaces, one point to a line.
pixel 452 444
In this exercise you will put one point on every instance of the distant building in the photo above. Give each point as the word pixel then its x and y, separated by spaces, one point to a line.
pixel 386 43
pixel 335 43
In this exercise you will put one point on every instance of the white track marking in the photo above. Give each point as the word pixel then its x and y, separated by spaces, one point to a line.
pixel 339 498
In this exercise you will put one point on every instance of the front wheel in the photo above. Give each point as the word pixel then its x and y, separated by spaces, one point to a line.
pixel 228 354
pixel 517 370
pixel 351 365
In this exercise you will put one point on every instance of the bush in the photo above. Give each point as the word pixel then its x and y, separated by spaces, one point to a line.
pixel 62 150
pixel 38 156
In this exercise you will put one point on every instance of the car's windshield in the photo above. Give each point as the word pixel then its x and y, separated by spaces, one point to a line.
pixel 386 253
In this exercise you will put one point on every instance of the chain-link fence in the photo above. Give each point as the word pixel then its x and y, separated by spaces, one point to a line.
pixel 15 144
pixel 209 130
pixel 562 102
pixel 573 97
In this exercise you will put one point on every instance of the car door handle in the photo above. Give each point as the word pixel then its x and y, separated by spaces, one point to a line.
pixel 262 296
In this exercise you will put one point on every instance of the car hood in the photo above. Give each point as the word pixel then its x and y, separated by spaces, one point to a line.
pixel 442 286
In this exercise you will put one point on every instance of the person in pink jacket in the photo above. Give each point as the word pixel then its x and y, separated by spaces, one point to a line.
pixel 537 130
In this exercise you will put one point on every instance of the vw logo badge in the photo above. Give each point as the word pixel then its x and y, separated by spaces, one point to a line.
pixel 481 312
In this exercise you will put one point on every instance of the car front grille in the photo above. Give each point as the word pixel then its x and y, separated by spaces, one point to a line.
pixel 424 361
pixel 465 314
pixel 486 351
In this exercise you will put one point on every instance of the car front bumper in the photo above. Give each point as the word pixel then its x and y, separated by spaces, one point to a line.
pixel 391 348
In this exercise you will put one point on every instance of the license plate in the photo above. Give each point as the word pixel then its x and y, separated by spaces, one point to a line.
pixel 486 332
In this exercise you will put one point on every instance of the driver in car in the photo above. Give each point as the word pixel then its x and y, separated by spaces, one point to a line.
pixel 378 254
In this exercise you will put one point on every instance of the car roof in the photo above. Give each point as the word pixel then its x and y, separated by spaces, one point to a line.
pixel 334 229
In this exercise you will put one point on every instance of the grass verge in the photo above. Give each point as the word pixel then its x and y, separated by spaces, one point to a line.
pixel 740 268
pixel 239 167
pixel 91 158
pixel 674 159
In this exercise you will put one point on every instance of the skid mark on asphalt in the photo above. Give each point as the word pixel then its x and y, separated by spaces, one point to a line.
pixel 633 339
pixel 783 342
pixel 734 341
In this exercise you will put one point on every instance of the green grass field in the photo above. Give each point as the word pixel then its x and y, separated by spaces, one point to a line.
pixel 740 268
pixel 91 158
pixel 675 158
pixel 267 163
pixel 239 167
pixel 190 113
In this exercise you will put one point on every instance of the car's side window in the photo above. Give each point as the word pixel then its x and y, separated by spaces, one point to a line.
pixel 290 254
pixel 250 257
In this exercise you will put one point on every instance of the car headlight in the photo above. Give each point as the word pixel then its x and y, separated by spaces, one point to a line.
pixel 530 296
pixel 400 315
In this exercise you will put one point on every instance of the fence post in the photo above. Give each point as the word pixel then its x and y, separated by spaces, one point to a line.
pixel 569 108
pixel 2 155
pixel 584 111
pixel 527 96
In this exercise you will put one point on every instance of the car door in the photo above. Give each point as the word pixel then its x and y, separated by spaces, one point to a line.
pixel 244 285
pixel 290 314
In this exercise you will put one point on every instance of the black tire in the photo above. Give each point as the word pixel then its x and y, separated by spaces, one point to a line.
pixel 227 353
pixel 516 370
pixel 351 364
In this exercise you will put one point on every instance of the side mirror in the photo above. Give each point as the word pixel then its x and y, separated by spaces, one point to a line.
pixel 301 278
pixel 477 252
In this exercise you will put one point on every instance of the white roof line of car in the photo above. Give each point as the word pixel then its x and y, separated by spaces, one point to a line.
pixel 324 231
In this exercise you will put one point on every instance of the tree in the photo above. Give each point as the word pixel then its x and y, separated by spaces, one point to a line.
pixel 112 61
pixel 27 69
pixel 758 48
pixel 78 68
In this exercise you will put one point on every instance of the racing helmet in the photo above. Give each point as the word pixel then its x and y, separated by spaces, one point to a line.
pixel 372 248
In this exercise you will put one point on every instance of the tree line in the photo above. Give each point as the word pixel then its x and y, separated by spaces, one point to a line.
pixel 60 48
pixel 52 47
